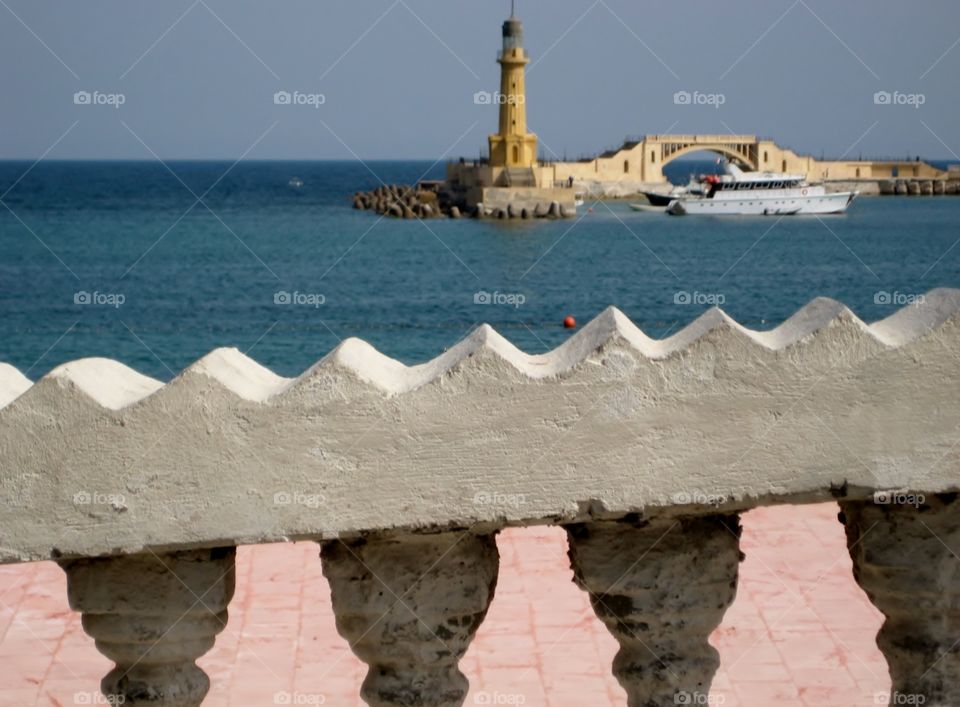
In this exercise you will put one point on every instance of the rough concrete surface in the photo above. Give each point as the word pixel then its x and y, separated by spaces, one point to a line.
pixel 409 606
pixel 661 588
pixel 904 558
pixel 154 616
pixel 96 459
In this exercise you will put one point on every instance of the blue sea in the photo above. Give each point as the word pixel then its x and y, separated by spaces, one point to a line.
pixel 155 266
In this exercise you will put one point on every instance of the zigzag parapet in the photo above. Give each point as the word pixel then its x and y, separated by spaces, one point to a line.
pixel 609 423
pixel 116 386
pixel 108 382
pixel 13 383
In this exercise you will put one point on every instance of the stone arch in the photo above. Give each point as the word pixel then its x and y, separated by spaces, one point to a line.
pixel 729 151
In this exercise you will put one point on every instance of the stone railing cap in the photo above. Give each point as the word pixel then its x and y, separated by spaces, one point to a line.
pixel 96 458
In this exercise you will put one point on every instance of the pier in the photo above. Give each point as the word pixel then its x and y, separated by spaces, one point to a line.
pixel 637 165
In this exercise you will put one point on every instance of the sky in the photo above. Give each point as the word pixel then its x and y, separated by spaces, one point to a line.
pixel 397 79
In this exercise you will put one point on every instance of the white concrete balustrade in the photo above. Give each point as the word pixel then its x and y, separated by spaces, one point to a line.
pixel 645 450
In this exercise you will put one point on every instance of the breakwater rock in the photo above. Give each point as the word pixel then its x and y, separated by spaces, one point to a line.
pixel 405 201
pixel 919 187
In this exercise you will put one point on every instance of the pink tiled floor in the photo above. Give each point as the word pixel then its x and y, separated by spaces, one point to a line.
pixel 799 633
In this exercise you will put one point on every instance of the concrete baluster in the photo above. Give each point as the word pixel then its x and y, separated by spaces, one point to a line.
pixel 409 605
pixel 904 549
pixel 154 616
pixel 661 587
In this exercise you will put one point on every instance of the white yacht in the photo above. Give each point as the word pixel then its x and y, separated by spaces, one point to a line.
pixel 760 194
pixel 693 187
pixel 659 201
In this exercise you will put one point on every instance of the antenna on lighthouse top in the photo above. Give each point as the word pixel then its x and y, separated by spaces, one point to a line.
pixel 513 8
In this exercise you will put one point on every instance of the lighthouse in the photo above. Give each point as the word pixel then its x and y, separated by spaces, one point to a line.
pixel 511 182
pixel 512 145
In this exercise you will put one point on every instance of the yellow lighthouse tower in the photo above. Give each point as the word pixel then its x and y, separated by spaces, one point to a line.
pixel 511 183
pixel 513 146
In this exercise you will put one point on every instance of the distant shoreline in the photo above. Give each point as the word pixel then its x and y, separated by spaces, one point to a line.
pixel 940 163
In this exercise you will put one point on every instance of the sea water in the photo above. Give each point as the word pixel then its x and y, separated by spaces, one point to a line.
pixel 155 267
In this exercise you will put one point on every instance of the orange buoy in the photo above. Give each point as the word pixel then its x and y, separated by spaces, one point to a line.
pixel 569 322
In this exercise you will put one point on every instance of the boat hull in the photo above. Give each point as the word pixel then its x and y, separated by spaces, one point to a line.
pixel 657 199
pixel 836 203
pixel 649 208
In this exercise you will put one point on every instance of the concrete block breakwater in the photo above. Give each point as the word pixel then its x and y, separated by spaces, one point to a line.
pixel 919 187
pixel 405 201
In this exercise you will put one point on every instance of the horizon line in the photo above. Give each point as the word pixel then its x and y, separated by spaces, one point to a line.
pixel 865 158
